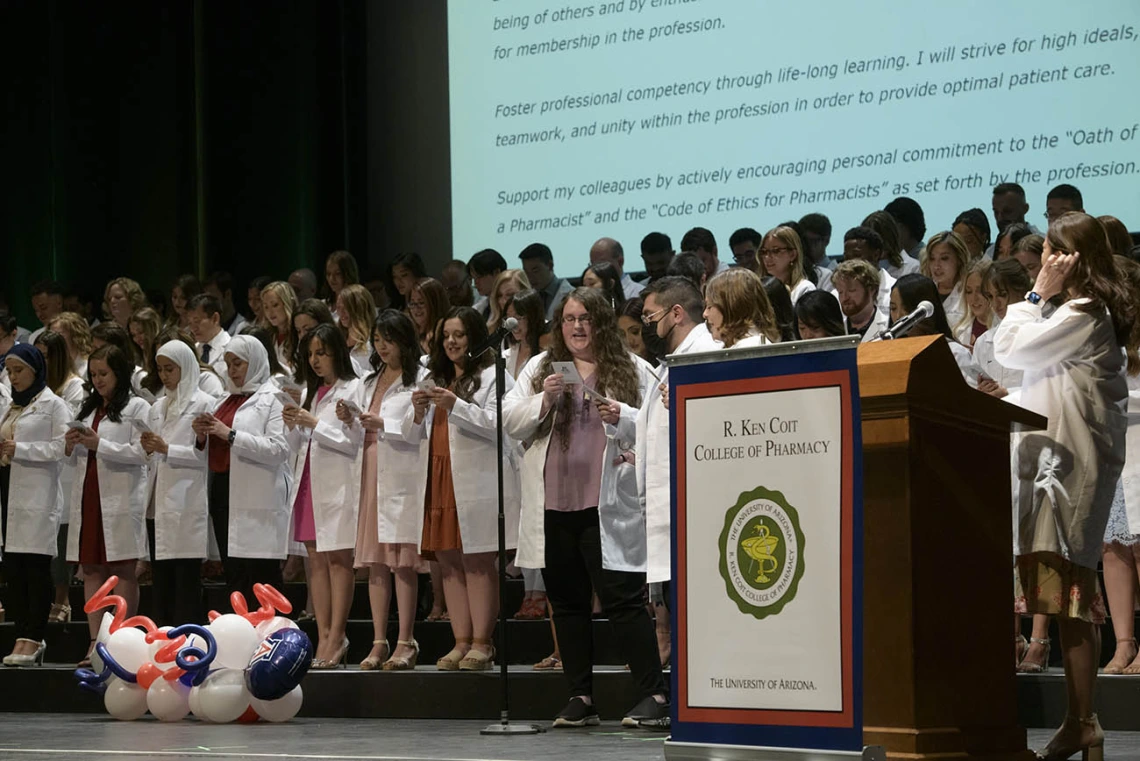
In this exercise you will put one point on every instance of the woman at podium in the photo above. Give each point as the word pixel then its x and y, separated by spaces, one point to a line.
pixel 1065 477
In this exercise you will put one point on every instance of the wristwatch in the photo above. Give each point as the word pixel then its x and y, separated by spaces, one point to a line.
pixel 1033 297
pixel 232 436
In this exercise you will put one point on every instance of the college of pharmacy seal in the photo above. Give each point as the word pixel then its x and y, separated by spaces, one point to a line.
pixel 761 552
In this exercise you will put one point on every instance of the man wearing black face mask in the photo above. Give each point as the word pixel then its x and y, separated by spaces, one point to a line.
pixel 673 325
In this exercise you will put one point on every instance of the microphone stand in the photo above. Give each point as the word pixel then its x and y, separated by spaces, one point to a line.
pixel 504 727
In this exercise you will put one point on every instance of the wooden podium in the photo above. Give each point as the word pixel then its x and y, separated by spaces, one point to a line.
pixel 938 558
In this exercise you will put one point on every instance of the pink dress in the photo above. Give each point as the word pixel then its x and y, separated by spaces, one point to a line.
pixel 304 527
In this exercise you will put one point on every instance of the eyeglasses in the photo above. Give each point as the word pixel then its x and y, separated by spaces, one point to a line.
pixel 417 305
pixel 647 319
pixel 772 251
pixel 582 319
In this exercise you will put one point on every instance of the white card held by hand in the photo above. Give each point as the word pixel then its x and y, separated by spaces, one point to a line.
pixel 285 399
pixel 593 397
pixel 352 407
pixel 76 425
pixel 141 425
pixel 427 384
pixel 568 372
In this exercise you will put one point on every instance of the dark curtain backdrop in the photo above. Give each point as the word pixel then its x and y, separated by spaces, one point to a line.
pixel 151 139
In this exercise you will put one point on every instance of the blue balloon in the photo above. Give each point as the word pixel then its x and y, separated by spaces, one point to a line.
pixel 278 664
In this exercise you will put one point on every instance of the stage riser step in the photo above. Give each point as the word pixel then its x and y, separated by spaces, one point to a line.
pixel 529 641
pixel 429 694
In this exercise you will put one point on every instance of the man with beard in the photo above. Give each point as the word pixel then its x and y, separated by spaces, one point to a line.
pixel 856 283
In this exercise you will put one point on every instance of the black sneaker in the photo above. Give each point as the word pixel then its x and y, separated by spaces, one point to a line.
pixel 577 714
pixel 648 714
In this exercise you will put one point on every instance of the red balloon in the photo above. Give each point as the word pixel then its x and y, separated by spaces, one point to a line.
pixel 147 674
pixel 249 717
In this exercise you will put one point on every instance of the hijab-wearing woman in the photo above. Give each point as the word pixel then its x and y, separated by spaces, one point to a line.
pixel 278 303
pixel 107 531
pixel 248 457
pixel 1067 474
pixel 208 379
pixel 946 263
pixel 122 298
pixel 460 529
pixel 326 485
pixel 31 461
pixel 583 522
pixel 180 473
pixel 185 288
pixel 427 304
pixel 738 311
pixel 64 383
pixel 391 487
pixel 77 334
pixel 355 312
pixel 781 255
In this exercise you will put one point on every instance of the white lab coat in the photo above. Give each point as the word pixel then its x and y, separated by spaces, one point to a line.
pixel 879 322
pixel 400 464
pixel 212 385
pixel 5 400
pixel 909 266
pixel 620 515
pixel 334 468
pixel 35 495
pixel 217 352
pixel 178 481
pixel 1006 377
pixel 471 434
pixel 966 364
pixel 1065 476
pixel 361 358
pixel 883 297
pixel 74 393
pixel 653 464
pixel 141 392
pixel 802 287
pixel 954 304
pixel 260 479
pixel 122 467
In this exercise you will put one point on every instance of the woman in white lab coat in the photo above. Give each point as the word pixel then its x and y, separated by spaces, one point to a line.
pixel 77 333
pixel 911 290
pixel 326 485
pixel 1065 477
pixel 389 523
pixel 1006 281
pixel 209 381
pixel 1122 536
pixel 355 311
pixel 31 458
pixel 110 334
pixel 781 255
pixel 460 525
pixel 279 301
pixel 64 383
pixel 946 262
pixel 107 531
pixel 179 474
pixel 248 458
pixel 582 522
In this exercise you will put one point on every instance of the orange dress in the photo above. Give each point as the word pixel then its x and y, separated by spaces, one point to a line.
pixel 441 515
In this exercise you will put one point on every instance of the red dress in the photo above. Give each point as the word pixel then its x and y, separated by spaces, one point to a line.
pixel 92 547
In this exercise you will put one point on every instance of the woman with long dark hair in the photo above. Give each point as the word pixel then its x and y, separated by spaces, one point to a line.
pixel 911 290
pixel 326 485
pixel 107 531
pixel 459 527
pixel 579 489
pixel 1066 475
pixel 604 276
pixel 391 487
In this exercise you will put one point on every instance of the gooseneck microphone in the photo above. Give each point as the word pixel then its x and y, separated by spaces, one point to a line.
pixel 906 324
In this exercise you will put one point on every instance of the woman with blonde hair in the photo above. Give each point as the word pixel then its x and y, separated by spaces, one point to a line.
pixel 738 311
pixel 355 310
pixel 427 305
pixel 77 333
pixel 122 298
pixel 979 315
pixel 278 303
pixel 507 284
pixel 781 255
pixel 946 262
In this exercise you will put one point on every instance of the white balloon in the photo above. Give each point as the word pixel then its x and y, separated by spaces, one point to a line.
pixel 194 701
pixel 236 638
pixel 282 709
pixel 223 696
pixel 275 624
pixel 123 700
pixel 104 632
pixel 128 646
pixel 168 700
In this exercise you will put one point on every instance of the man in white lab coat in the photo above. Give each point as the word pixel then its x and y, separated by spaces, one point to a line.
pixel 673 325
pixel 856 282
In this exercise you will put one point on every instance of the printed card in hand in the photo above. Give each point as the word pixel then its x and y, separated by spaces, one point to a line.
pixel 285 399
pixel 568 372
pixel 427 384
pixel 76 425
pixel 141 425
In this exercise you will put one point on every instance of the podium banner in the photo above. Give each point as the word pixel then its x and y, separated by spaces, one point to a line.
pixel 767 547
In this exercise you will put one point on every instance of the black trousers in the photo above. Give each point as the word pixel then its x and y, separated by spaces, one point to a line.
pixel 573 571
pixel 176 594
pixel 28 578
pixel 241 573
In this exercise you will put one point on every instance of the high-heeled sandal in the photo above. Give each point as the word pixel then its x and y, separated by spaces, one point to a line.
pixel 403 664
pixel 1020 648
pixel 549 663
pixel 450 662
pixel 1036 668
pixel 35 658
pixel 477 660
pixel 1110 669
pixel 60 613
pixel 372 663
pixel 1058 749
pixel 341 659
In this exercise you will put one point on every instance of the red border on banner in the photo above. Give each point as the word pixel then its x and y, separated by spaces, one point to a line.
pixel 759 716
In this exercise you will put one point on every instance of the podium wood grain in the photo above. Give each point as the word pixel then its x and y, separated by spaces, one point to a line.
pixel 938 558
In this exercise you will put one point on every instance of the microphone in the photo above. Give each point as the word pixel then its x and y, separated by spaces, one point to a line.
pixel 496 338
pixel 906 324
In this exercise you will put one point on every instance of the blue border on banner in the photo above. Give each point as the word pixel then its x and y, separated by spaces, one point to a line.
pixel 775 735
